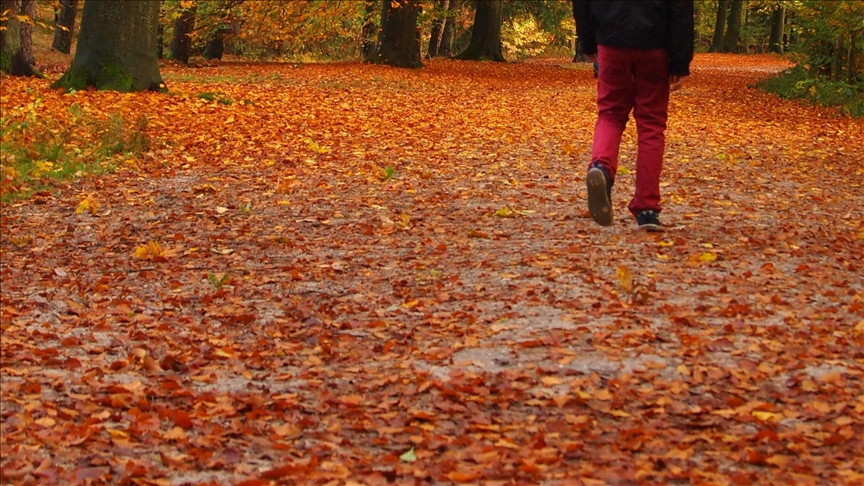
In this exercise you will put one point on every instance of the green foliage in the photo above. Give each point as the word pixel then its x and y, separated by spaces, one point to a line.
pixel 799 83
pixel 217 281
pixel 38 150
pixel 210 96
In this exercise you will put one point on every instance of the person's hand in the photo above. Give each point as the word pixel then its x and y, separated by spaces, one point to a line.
pixel 675 82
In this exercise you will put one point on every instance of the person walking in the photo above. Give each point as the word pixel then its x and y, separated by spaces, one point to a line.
pixel 644 49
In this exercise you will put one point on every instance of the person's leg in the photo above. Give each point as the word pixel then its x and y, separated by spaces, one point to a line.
pixel 615 91
pixel 651 104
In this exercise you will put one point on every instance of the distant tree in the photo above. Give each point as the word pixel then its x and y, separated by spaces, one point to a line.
pixel 486 32
pixel 28 10
pixel 181 42
pixel 215 46
pixel 400 44
pixel 116 47
pixel 778 21
pixel 732 39
pixel 369 31
pixel 445 47
pixel 719 26
pixel 442 8
pixel 64 31
pixel 13 52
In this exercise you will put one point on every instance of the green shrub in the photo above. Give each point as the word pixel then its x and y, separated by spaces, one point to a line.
pixel 798 83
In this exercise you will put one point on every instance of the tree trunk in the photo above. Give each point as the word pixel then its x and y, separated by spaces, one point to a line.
pixel 12 57
pixel 441 9
pixel 775 39
pixel 445 47
pixel 28 8
pixel 181 43
pixel 717 41
pixel 399 41
pixel 215 47
pixel 486 33
pixel 116 47
pixel 733 32
pixel 369 31
pixel 837 67
pixel 64 32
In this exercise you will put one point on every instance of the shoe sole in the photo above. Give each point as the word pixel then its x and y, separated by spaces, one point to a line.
pixel 598 199
pixel 651 228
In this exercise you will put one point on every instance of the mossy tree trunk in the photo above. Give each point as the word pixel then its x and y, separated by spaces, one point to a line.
pixel 13 58
pixel 486 33
pixel 64 32
pixel 117 47
pixel 400 44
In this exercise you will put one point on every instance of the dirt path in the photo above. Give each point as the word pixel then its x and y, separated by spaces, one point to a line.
pixel 460 309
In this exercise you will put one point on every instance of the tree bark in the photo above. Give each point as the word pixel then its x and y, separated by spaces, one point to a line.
pixel 719 25
pixel 775 39
pixel 445 47
pixel 215 47
pixel 12 56
pixel 486 33
pixel 400 45
pixel 837 66
pixel 116 47
pixel 441 9
pixel 28 8
pixel 64 32
pixel 369 32
pixel 181 42
pixel 732 39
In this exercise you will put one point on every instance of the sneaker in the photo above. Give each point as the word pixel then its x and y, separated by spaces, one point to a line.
pixel 649 221
pixel 599 194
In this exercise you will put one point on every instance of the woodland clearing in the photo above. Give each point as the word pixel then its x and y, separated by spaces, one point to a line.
pixel 353 274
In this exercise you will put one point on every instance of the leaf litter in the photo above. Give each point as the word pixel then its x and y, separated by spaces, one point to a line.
pixel 455 317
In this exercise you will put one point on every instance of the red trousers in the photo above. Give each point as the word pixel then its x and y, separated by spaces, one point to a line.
pixel 638 81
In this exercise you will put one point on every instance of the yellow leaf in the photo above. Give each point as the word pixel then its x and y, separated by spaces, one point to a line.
pixel 766 416
pixel 141 252
pixel 708 257
pixel 404 221
pixel 150 251
pixel 87 204
pixel 625 277
pixel 551 380
pixel 505 212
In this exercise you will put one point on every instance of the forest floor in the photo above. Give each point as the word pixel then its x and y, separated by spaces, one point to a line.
pixel 347 274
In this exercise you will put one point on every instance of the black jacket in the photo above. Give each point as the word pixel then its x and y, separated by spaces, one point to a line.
pixel 638 24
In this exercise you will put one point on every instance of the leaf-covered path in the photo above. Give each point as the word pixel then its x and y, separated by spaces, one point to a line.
pixel 348 274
